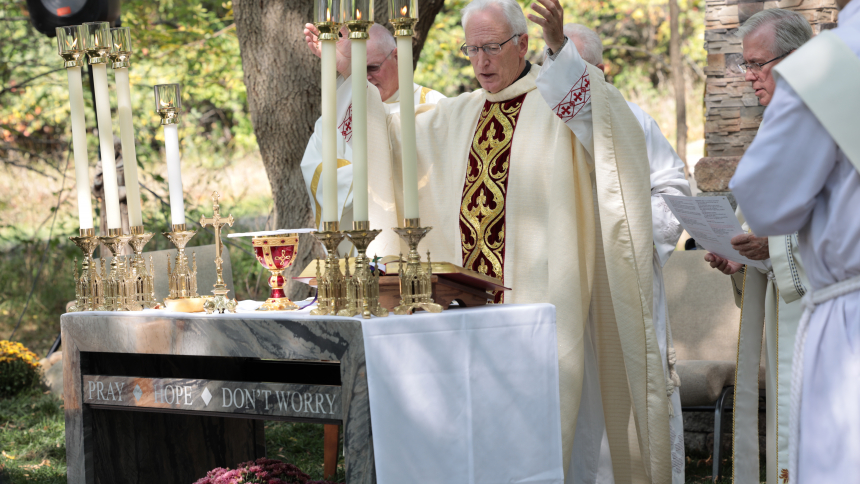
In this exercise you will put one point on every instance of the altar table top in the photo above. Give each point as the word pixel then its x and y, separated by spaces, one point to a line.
pixel 464 396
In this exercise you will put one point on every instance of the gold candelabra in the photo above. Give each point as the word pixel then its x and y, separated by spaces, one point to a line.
pixel 363 286
pixel 220 302
pixel 416 287
pixel 115 284
pixel 183 278
pixel 88 286
pixel 331 285
pixel 141 279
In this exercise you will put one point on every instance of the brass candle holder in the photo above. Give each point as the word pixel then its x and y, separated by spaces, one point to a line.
pixel 403 14
pixel 116 288
pixel 220 302
pixel 88 286
pixel 183 277
pixel 363 287
pixel 416 288
pixel 328 16
pixel 331 285
pixel 141 279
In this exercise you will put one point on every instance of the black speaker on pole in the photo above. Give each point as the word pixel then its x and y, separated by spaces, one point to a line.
pixel 47 15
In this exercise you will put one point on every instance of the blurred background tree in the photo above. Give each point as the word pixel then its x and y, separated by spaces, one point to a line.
pixel 195 44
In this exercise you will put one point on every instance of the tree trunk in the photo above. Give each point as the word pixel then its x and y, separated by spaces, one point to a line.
pixel 283 86
pixel 678 79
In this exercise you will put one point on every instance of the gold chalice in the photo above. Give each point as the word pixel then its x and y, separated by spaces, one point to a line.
pixel 276 253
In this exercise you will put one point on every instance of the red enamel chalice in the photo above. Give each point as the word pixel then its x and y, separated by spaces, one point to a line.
pixel 276 253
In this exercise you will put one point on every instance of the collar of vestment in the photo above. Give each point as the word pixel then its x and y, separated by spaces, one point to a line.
pixel 518 88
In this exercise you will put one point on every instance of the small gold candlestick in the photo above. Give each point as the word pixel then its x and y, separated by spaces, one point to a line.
pixel 88 286
pixel 415 285
pixel 140 278
pixel 116 290
pixel 331 285
pixel 363 290
pixel 220 302
pixel 183 278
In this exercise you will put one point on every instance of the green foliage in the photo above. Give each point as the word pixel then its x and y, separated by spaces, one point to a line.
pixel 32 437
pixel 301 444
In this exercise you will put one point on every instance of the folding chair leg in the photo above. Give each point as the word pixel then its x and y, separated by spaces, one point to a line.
pixel 719 408
pixel 330 451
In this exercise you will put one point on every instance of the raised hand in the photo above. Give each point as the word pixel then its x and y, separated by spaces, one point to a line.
pixel 751 247
pixel 344 52
pixel 551 18
pixel 723 265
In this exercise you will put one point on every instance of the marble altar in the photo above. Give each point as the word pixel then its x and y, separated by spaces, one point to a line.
pixel 105 444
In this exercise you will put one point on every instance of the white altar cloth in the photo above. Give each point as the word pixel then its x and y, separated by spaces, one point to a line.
pixel 465 396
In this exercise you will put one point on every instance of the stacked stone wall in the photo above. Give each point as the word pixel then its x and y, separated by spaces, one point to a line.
pixel 732 112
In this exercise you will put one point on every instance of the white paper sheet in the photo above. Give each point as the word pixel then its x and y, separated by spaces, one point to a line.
pixel 712 223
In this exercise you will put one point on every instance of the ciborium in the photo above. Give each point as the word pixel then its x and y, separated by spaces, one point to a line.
pixel 276 253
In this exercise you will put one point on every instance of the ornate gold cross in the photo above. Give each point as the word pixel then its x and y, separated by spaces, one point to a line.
pixel 217 222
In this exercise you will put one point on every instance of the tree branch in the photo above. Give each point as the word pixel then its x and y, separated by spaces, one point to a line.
pixel 9 162
pixel 17 86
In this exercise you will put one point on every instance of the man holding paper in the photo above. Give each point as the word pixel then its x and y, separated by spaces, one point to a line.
pixel 382 73
pixel 770 297
pixel 541 179
pixel 801 174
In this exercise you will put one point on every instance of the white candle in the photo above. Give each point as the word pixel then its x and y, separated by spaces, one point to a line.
pixel 79 137
pixel 100 82
pixel 329 130
pixel 129 153
pixel 359 129
pixel 407 127
pixel 174 174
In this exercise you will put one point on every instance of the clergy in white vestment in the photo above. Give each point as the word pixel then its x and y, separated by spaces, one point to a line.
pixel 769 299
pixel 541 179
pixel 382 73
pixel 801 174
pixel 667 177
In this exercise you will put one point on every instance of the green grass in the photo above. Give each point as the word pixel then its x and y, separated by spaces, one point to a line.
pixel 32 439
pixel 301 444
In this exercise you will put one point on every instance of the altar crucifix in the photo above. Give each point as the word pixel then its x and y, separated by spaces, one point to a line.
pixel 220 302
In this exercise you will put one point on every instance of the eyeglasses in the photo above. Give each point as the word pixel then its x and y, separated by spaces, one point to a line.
pixel 489 49
pixel 756 67
pixel 373 69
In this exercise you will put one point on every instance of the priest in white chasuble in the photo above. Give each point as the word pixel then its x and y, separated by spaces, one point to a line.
pixel 382 73
pixel 801 174
pixel 667 177
pixel 541 179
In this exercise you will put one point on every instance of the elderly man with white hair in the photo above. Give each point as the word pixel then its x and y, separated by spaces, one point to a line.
pixel 801 174
pixel 769 299
pixel 540 179
pixel 382 73
pixel 667 177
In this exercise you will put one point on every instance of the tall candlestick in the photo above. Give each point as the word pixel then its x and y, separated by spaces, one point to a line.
pixel 120 55
pixel 404 15
pixel 98 45
pixel 329 130
pixel 409 152
pixel 358 25
pixel 328 15
pixel 70 46
pixel 168 104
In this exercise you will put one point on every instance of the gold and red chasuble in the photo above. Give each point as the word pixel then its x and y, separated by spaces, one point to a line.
pixel 482 210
